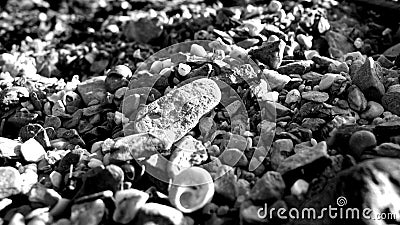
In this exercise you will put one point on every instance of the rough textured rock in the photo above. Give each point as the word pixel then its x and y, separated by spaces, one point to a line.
pixel 368 79
pixel 92 89
pixel 10 182
pixel 268 188
pixel 303 158
pixel 391 99
pixel 300 67
pixel 128 202
pixel 154 213
pixel 180 110
pixel 271 54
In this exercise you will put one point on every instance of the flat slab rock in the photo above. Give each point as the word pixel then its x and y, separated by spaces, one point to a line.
pixel 179 111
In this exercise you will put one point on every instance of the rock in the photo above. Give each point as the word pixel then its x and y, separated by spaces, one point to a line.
pixel 391 99
pixel 143 30
pixel 274 6
pixel 189 152
pixel 283 145
pixel 368 79
pixel 385 62
pixel 198 50
pixel 128 202
pixel 390 150
pixel 275 80
pixel 8 147
pixel 225 182
pixel 269 188
pixel 359 187
pixel 303 158
pixel 324 61
pixel 32 150
pixel 72 101
pixel 146 149
pixel 300 67
pixel 180 110
pixel 154 213
pixel 270 54
pixel 233 157
pixel 89 213
pixel 11 182
pixel 43 195
pixel 250 214
pixel 361 141
pixel 117 77
pixel 393 51
pixel 327 81
pixel 356 99
pixel 299 188
pixel 36 131
pixel 305 41
pixel 372 111
pixel 52 121
pixel 293 96
pixel 315 96
pixel 339 41
pixel 101 179
pixel 93 89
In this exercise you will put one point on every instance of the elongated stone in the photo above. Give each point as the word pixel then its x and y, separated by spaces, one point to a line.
pixel 180 110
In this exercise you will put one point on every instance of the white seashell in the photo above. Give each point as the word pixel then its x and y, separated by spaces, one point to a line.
pixel 191 189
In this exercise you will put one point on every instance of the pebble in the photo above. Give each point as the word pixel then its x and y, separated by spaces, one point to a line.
pixel 8 147
pixel 361 141
pixel 225 182
pixel 179 107
pixel 315 96
pixel 327 81
pixel 32 150
pixel 90 213
pixel 233 157
pixel 299 188
pixel 184 69
pixel 293 96
pixel 275 80
pixel 11 182
pixel 128 202
pixel 300 67
pixel 271 54
pixel 368 79
pixel 372 111
pixel 143 30
pixel 198 50
pixel 356 99
pixel 303 158
pixel 390 100
pixel 92 89
pixel 270 187
pixel 155 213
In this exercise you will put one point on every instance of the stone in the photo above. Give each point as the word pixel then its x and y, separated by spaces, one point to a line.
pixel 233 157
pixel 101 179
pixel 390 150
pixel 11 182
pixel 128 202
pixel 293 96
pixel 189 152
pixel 360 141
pixel 40 194
pixel 275 80
pixel 299 188
pixel 283 145
pixel 147 150
pixel 304 158
pixel 8 147
pixel 72 101
pixel 339 41
pixel 36 131
pixel 225 182
pixel 372 111
pixel 198 50
pixel 89 213
pixel 271 53
pixel 393 51
pixel 327 81
pixel 324 61
pixel 32 150
pixel 155 213
pixel 368 79
pixel 299 67
pixel 362 186
pixel 274 6
pixel 52 121
pixel 356 99
pixel 180 110
pixel 269 188
pixel 144 30
pixel 117 77
pixel 92 89
pixel 315 96
pixel 391 99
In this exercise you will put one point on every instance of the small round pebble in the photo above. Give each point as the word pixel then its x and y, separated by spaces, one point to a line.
pixel 360 141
